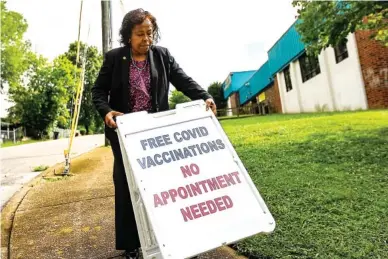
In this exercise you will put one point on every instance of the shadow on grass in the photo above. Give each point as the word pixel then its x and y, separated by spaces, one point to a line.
pixel 327 195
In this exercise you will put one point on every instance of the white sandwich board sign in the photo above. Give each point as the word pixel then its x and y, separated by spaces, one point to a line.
pixel 190 191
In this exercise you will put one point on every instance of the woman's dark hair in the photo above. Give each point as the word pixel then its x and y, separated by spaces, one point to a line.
pixel 136 17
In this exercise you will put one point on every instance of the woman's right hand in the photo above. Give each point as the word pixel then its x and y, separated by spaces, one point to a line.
pixel 109 119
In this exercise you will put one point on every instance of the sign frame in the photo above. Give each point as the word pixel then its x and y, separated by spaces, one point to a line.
pixel 185 112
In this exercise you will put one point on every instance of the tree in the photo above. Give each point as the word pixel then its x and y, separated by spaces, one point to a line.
pixel 327 23
pixel 89 118
pixel 215 90
pixel 176 98
pixel 15 51
pixel 43 101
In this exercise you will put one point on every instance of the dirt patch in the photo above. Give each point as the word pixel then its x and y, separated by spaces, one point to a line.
pixel 97 160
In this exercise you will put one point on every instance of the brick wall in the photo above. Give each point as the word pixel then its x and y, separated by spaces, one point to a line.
pixel 234 102
pixel 374 65
pixel 272 98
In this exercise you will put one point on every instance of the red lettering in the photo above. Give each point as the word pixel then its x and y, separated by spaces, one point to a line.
pixel 195 211
pixel 182 192
pixel 227 201
pixel 157 201
pixel 203 183
pixel 186 214
pixel 173 193
pixel 195 188
pixel 194 169
pixel 212 206
pixel 221 181
pixel 229 179
pixel 189 190
pixel 203 209
pixel 219 204
pixel 165 197
pixel 186 171
pixel 236 175
pixel 213 185
pixel 206 208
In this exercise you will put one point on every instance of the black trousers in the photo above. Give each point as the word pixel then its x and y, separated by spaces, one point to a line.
pixel 127 237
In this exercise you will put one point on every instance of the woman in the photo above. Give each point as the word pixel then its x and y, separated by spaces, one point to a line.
pixel 136 78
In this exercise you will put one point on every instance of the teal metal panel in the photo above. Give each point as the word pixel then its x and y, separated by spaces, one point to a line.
pixel 234 81
pixel 244 94
pixel 256 84
pixel 285 50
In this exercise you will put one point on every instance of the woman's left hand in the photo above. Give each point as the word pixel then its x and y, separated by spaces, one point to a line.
pixel 210 104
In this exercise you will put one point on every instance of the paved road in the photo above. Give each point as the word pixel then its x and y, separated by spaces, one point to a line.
pixel 17 162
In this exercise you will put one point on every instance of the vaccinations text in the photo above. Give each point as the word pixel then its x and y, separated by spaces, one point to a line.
pixel 179 153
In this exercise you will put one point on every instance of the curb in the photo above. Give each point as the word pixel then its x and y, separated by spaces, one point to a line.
pixel 9 210
pixel 11 206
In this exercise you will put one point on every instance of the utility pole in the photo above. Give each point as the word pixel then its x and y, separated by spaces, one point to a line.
pixel 106 25
pixel 106 32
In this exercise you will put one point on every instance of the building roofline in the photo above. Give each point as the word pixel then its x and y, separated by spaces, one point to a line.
pixel 245 71
pixel 282 35
pixel 231 93
pixel 238 72
pixel 256 71
pixel 292 60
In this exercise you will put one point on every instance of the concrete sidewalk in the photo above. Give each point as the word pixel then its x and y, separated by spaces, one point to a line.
pixel 17 162
pixel 71 217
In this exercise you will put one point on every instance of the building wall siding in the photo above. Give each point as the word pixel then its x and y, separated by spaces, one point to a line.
pixel 337 86
pixel 254 85
pixel 346 78
pixel 288 47
pixel 235 81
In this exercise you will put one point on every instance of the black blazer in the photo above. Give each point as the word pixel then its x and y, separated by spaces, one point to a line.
pixel 113 81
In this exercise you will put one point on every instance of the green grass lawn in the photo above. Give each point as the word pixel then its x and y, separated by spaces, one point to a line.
pixel 324 178
pixel 11 144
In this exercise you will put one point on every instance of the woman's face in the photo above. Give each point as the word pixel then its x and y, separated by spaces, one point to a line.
pixel 142 37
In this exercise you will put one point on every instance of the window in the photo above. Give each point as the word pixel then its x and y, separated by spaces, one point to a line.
pixel 287 78
pixel 309 66
pixel 341 52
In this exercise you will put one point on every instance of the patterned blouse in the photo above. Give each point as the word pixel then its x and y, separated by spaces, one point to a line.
pixel 140 86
